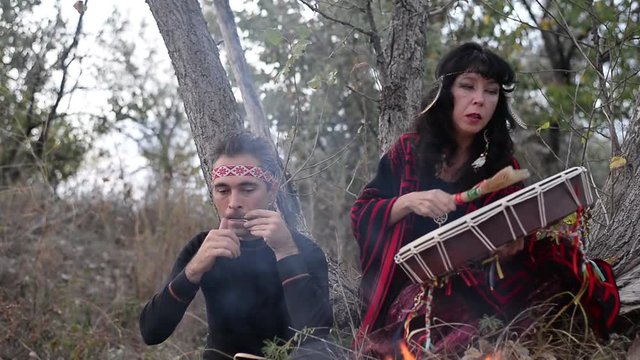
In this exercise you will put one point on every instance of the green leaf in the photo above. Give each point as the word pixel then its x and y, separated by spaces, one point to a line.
pixel 332 77
pixel 305 32
pixel 570 219
pixel 315 82
pixel 544 126
pixel 272 37
pixel 296 52
pixel 586 136
pixel 489 324
pixel 299 47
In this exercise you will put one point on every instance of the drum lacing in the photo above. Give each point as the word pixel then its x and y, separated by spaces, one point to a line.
pixel 541 207
pixel 483 238
pixel 444 255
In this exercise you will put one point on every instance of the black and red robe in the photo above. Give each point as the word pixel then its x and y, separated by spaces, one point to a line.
pixel 383 280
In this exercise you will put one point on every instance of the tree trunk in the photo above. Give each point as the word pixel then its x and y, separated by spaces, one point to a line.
pixel 253 107
pixel 619 237
pixel 205 89
pixel 401 66
pixel 288 202
pixel 204 86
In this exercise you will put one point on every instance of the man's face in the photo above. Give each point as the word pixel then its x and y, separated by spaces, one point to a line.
pixel 234 196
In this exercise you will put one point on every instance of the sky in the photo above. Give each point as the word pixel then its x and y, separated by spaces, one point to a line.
pixel 124 160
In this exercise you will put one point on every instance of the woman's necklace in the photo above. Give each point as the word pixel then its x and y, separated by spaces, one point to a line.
pixel 440 220
pixel 448 174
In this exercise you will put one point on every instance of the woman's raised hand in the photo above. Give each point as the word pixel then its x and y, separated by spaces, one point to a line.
pixel 430 203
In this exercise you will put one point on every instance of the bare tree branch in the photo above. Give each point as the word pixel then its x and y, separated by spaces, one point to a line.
pixel 240 68
pixel 602 81
pixel 368 97
pixel 443 9
pixel 377 45
pixel 64 66
pixel 334 19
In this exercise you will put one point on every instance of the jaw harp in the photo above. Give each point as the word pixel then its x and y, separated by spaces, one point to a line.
pixel 242 219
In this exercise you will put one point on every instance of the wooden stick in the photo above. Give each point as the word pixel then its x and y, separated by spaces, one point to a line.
pixel 503 178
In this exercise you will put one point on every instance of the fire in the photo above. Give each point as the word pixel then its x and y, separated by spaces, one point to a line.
pixel 494 356
pixel 406 354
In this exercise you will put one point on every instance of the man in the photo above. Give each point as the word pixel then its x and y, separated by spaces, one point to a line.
pixel 260 280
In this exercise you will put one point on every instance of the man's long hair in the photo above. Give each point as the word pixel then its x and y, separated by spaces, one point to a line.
pixel 435 126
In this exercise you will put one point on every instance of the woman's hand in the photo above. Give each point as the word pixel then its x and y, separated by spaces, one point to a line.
pixel 431 203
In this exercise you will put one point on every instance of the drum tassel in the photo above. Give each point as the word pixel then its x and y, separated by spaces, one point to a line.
pixel 419 301
pixel 494 268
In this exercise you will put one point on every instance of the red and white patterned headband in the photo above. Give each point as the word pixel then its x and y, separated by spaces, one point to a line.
pixel 244 170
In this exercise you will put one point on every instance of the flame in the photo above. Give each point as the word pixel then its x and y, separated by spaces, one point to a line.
pixel 494 356
pixel 406 354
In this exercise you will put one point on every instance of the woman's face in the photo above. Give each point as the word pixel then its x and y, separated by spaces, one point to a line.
pixel 474 101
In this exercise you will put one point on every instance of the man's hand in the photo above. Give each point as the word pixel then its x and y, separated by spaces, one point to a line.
pixel 220 242
pixel 269 225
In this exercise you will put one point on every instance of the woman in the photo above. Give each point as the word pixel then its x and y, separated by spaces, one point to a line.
pixel 461 137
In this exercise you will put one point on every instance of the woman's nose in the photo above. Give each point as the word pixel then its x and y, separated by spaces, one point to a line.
pixel 478 97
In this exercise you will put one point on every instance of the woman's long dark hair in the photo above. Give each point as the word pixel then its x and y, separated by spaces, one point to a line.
pixel 435 127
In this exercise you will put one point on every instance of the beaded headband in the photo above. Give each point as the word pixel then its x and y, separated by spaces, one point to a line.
pixel 244 170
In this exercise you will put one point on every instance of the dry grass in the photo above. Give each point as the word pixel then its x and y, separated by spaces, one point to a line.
pixel 549 337
pixel 75 274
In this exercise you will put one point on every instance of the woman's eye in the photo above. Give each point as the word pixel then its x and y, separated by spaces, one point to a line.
pixel 466 86
pixel 493 91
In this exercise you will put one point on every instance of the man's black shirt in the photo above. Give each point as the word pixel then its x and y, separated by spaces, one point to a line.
pixel 249 299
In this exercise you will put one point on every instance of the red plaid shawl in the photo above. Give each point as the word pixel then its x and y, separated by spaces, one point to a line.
pixel 379 242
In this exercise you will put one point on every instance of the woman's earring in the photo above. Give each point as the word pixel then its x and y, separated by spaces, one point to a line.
pixel 482 159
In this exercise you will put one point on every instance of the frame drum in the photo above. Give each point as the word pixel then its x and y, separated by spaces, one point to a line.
pixel 478 234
